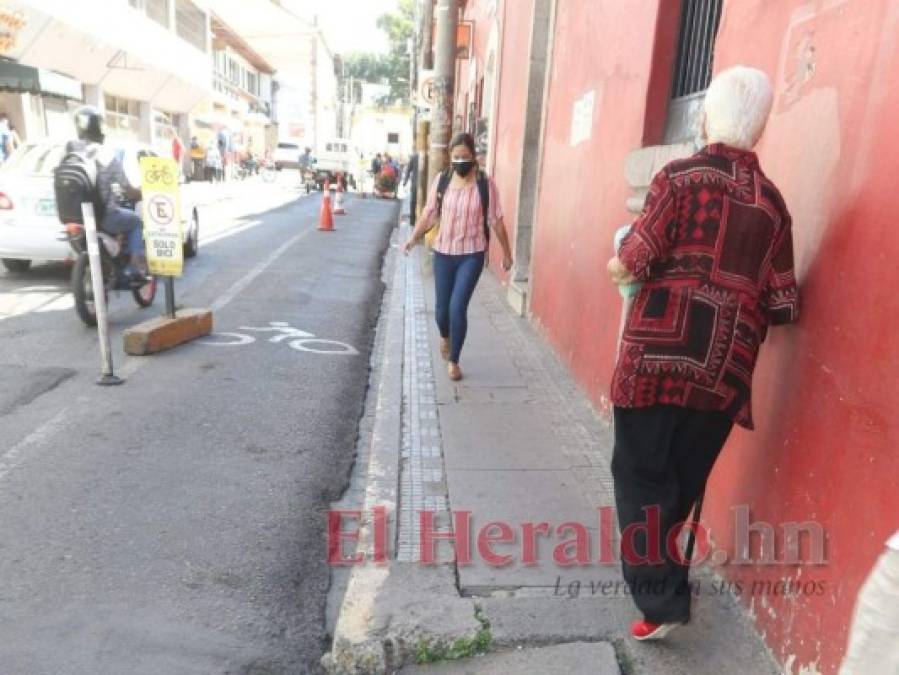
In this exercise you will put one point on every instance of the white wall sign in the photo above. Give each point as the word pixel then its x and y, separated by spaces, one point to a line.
pixel 582 118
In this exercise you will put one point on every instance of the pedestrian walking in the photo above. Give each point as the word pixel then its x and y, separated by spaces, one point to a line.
pixel 197 159
pixel 214 170
pixel 177 151
pixel 412 174
pixel 713 250
pixel 464 205
pixel 5 138
pixel 874 636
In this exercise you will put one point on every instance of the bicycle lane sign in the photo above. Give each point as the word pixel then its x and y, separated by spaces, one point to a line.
pixel 162 216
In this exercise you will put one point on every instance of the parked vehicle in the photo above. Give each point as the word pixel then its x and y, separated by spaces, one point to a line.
pixel 29 225
pixel 338 157
pixel 113 261
pixel 287 156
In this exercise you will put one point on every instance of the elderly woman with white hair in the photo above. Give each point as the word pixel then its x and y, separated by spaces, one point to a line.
pixel 713 251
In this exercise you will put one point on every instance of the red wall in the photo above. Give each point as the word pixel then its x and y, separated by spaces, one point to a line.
pixel 512 21
pixel 825 400
pixel 599 45
pixel 825 447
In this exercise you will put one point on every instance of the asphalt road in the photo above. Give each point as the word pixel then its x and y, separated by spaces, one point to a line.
pixel 176 524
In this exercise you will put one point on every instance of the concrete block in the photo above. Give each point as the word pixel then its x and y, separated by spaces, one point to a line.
pixel 163 332
pixel 517 297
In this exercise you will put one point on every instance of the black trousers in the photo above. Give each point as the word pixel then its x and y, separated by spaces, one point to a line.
pixel 662 459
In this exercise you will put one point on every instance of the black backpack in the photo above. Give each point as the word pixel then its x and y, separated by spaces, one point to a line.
pixel 75 182
pixel 483 188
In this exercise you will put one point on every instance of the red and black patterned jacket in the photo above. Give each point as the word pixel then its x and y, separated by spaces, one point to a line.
pixel 714 250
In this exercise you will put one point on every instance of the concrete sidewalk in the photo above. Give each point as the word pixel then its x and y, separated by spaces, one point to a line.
pixel 516 442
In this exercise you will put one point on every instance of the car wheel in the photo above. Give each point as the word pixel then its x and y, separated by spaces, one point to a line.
pixel 16 265
pixel 192 245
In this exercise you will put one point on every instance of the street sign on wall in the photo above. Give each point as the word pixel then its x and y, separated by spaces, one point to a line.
pixel 162 216
pixel 426 92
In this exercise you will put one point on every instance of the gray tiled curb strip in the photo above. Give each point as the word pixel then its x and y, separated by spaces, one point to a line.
pixel 422 477
pixel 387 610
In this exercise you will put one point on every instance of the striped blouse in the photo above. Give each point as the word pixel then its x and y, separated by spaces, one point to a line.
pixel 462 217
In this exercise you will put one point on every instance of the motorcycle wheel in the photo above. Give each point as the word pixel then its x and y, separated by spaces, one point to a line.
pixel 83 291
pixel 145 295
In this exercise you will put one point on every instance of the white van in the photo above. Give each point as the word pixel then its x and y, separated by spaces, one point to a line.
pixel 338 155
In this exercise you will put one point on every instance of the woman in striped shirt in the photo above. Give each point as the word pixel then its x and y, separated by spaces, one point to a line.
pixel 460 245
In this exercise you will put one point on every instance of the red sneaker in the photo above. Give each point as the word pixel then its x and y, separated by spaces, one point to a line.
pixel 644 630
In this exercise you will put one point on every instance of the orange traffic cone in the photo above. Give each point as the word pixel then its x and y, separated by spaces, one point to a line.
pixel 326 220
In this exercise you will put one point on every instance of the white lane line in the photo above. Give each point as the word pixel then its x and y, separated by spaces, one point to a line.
pixel 224 234
pixel 10 459
pixel 225 298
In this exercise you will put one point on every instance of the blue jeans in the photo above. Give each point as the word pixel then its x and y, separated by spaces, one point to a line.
pixel 119 221
pixel 455 277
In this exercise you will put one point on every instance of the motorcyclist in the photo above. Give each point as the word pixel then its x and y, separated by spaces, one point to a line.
pixel 114 186
pixel 306 160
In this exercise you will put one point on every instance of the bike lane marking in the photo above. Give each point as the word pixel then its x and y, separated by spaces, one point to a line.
pixel 18 454
pixel 135 363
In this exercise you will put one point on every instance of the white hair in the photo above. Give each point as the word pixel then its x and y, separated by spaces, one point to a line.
pixel 736 107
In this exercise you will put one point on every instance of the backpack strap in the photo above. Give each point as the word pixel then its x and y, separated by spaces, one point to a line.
pixel 484 190
pixel 443 182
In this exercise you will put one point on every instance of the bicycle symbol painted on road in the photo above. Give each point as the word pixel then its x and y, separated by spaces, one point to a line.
pixel 295 338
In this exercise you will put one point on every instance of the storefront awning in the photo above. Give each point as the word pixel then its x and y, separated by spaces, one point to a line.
pixel 16 77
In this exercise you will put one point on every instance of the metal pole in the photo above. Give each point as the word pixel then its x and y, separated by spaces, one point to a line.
pixel 107 377
pixel 446 14
pixel 170 297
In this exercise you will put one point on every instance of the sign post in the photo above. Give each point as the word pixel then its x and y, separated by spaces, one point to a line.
pixel 162 223
pixel 107 377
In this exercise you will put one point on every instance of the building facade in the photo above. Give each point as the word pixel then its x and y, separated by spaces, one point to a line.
pixel 146 63
pixel 579 103
pixel 240 108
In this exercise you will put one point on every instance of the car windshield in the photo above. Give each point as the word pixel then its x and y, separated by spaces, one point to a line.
pixel 35 158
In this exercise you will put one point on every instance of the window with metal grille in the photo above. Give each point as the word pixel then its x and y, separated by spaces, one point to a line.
pixel 190 23
pixel 698 29
pixel 696 46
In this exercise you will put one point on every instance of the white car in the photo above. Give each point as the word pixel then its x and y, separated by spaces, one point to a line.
pixel 287 155
pixel 29 225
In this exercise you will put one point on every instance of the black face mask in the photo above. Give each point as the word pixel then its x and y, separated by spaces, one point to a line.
pixel 463 167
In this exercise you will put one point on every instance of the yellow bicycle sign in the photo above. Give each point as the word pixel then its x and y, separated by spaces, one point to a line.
pixel 161 213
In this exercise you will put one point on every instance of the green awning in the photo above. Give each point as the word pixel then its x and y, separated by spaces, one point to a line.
pixel 19 78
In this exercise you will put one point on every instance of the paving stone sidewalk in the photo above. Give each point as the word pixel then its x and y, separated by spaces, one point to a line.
pixel 515 441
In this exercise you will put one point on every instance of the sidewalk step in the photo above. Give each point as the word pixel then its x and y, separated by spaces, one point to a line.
pixel 576 658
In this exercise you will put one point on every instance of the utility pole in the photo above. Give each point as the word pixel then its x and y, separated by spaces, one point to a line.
pixel 446 14
pixel 426 58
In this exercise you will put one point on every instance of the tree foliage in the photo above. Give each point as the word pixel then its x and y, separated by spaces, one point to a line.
pixel 391 68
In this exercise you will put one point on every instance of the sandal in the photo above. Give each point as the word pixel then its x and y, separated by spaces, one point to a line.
pixel 445 348
pixel 455 373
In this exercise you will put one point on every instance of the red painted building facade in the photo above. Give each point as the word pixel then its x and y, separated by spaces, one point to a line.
pixel 824 391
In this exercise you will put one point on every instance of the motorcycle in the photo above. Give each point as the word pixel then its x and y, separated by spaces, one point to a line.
pixel 310 180
pixel 113 261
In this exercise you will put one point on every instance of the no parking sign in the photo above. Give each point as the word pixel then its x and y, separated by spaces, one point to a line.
pixel 162 216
